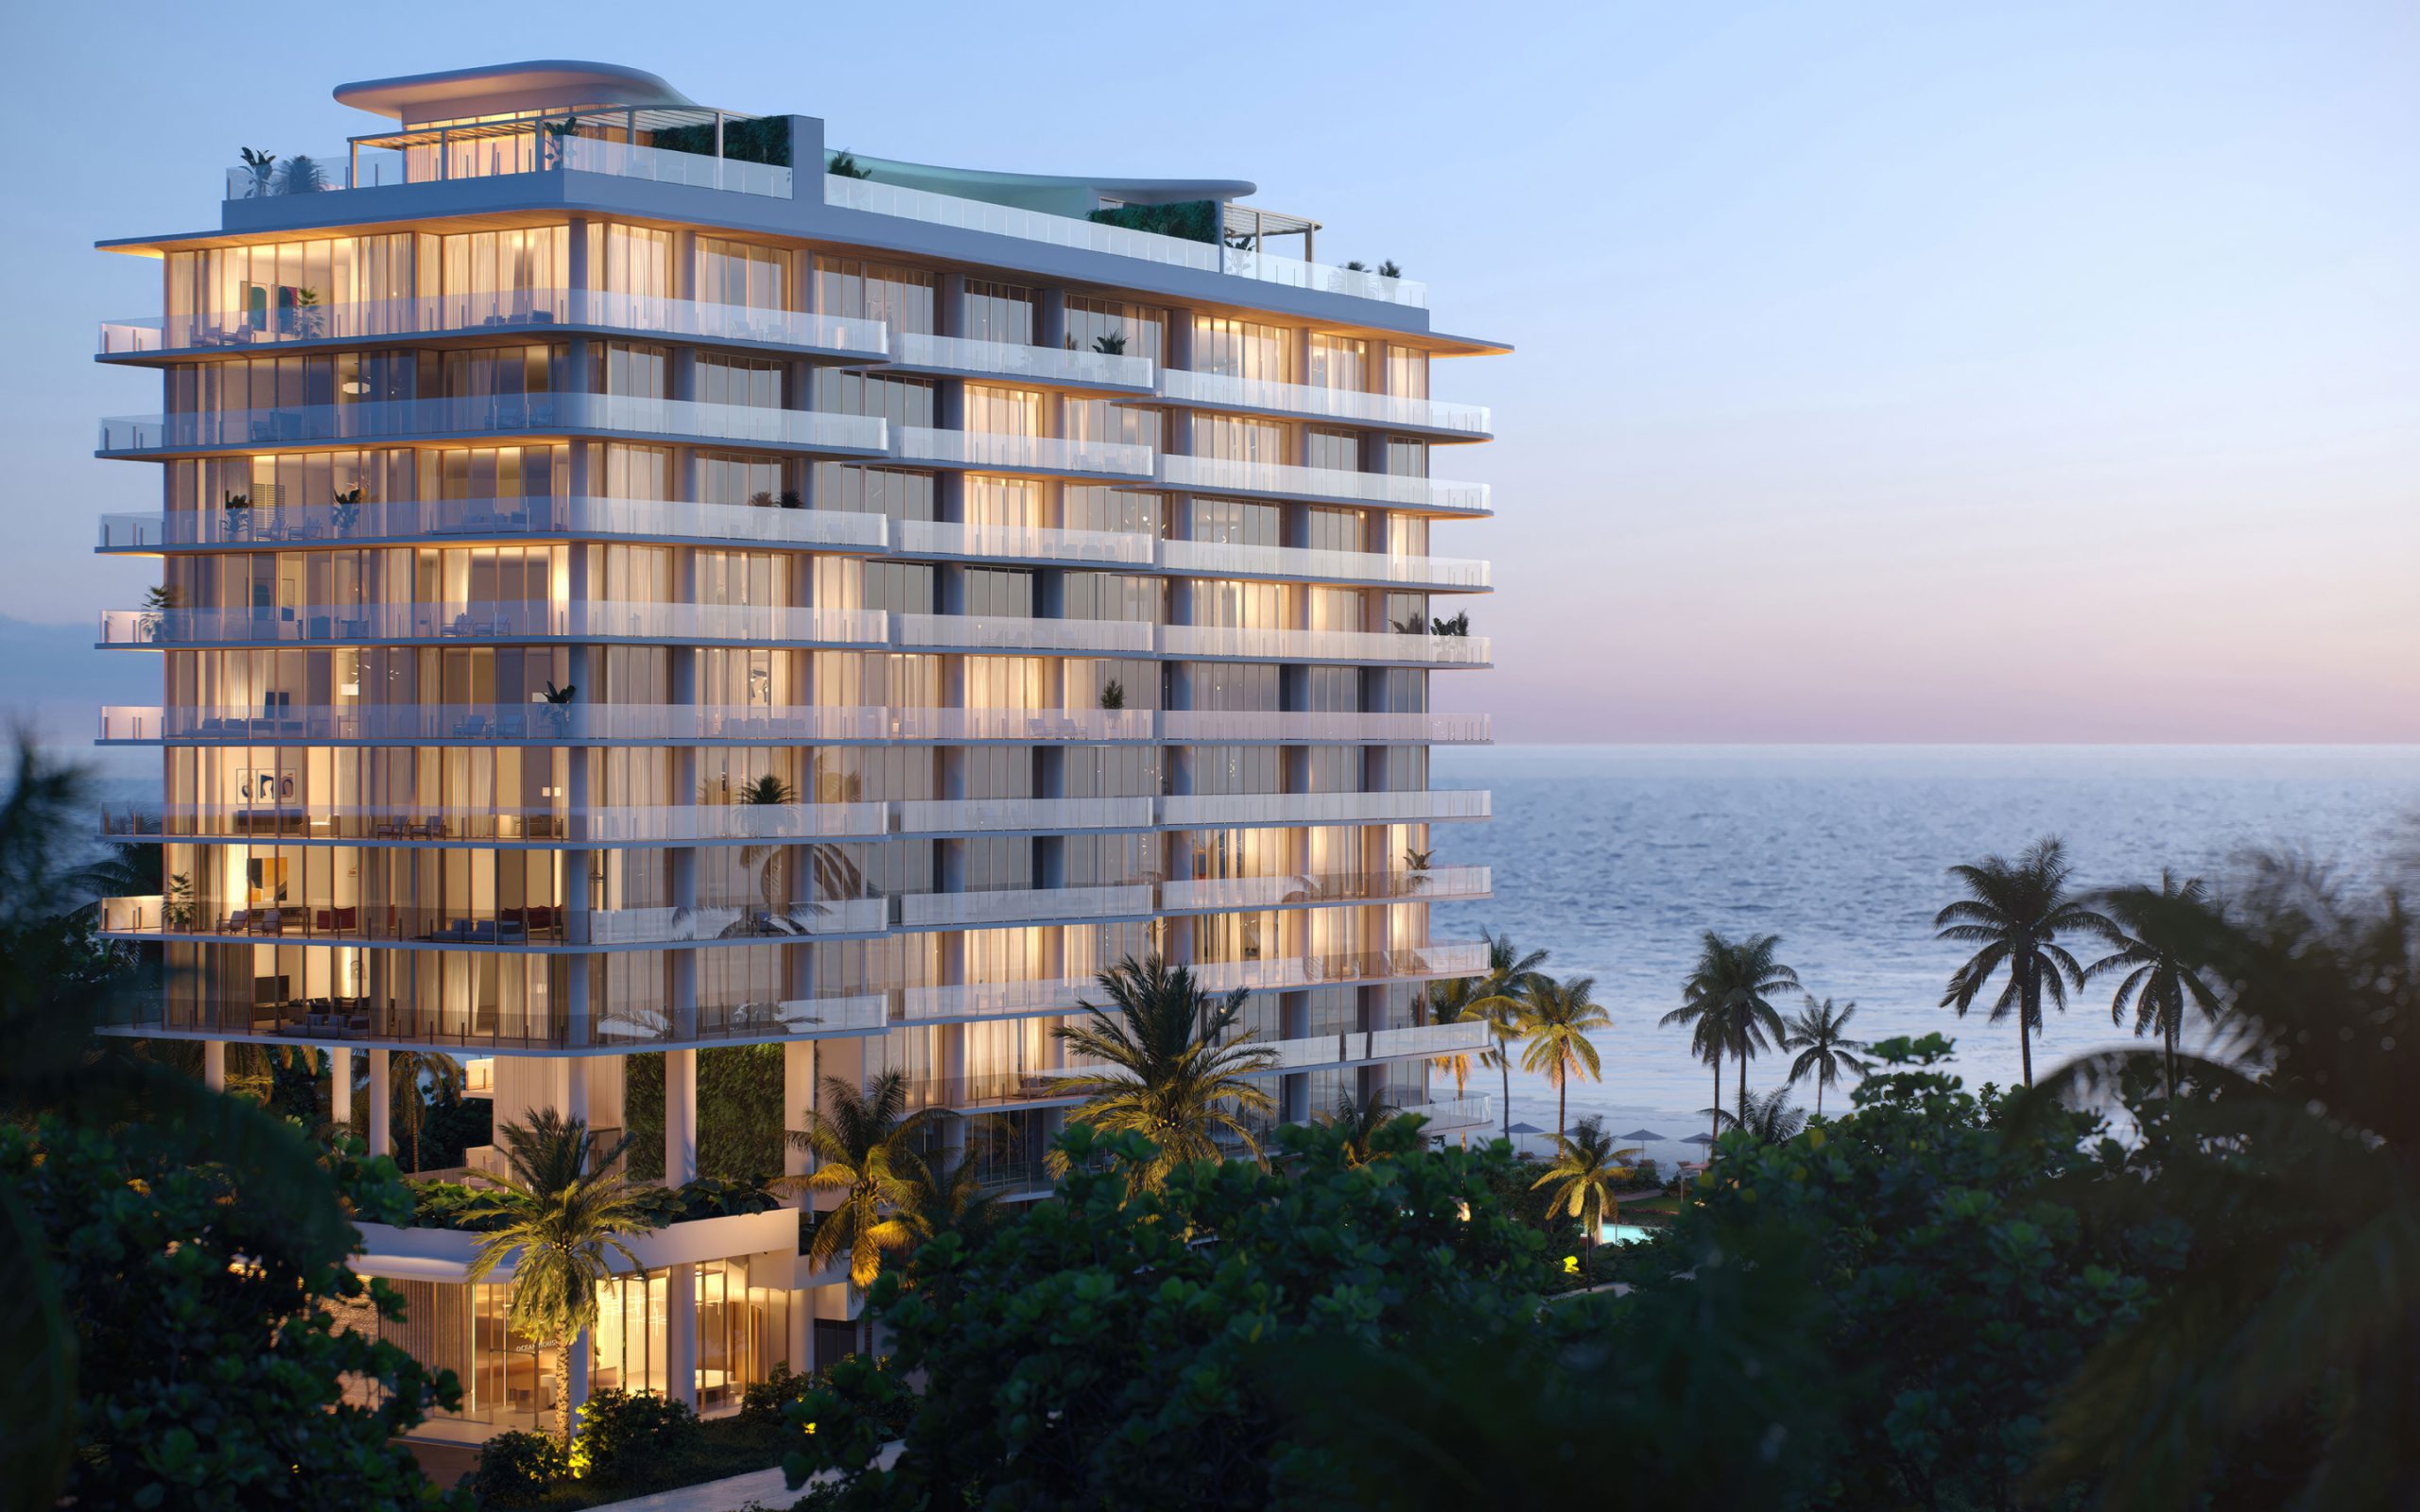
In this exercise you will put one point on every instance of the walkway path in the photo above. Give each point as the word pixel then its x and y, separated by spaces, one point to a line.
pixel 763 1487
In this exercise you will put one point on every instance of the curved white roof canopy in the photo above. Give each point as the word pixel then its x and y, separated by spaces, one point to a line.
pixel 503 89
pixel 1052 194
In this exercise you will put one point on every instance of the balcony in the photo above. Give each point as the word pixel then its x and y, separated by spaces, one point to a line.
pixel 1288 974
pixel 1211 810
pixel 365 1022
pixel 513 312
pixel 586 724
pixel 980 910
pixel 1360 1046
pixel 547 414
pixel 1043 816
pixel 1052 367
pixel 1216 390
pixel 1220 558
pixel 1207 642
pixel 973 632
pixel 1324 890
pixel 1211 475
pixel 1265 728
pixel 534 925
pixel 1118 241
pixel 1091 548
pixel 499 151
pixel 1453 1115
pixel 414 520
pixel 1003 452
pixel 503 620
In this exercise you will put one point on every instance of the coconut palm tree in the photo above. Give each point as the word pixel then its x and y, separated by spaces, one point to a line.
pixel 2160 981
pixel 1500 998
pixel 56 984
pixel 867 1148
pixel 1585 1170
pixel 1558 1018
pixel 769 862
pixel 1171 1075
pixel 413 1076
pixel 1820 1037
pixel 1727 1001
pixel 565 1208
pixel 2290 1163
pixel 2016 911
pixel 1766 1118
pixel 1359 1119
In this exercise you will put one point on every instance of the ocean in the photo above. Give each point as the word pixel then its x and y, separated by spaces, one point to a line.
pixel 1614 858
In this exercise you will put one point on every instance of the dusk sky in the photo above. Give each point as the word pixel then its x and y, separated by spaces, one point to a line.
pixel 1886 372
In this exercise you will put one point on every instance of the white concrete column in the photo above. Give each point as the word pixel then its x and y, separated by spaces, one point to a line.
pixel 340 1087
pixel 381 1139
pixel 798 1096
pixel 802 1331
pixel 681 1334
pixel 576 1087
pixel 680 1117
pixel 214 1064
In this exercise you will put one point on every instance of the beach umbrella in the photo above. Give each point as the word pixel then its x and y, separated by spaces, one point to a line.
pixel 1525 1128
pixel 1698 1139
pixel 1641 1134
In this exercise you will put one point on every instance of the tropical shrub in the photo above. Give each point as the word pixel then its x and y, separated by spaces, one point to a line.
pixel 516 1468
pixel 621 1432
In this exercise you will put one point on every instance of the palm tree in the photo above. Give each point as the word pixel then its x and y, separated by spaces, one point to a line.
pixel 1559 1017
pixel 2160 982
pixel 867 1148
pixel 407 1073
pixel 1359 1119
pixel 1583 1173
pixel 2296 1320
pixel 1500 998
pixel 1820 1037
pixel 2016 911
pixel 56 984
pixel 1766 1118
pixel 1728 1001
pixel 767 861
pixel 949 1199
pixel 1170 1078
pixel 567 1207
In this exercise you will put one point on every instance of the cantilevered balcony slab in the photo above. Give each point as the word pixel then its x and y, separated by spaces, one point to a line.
pixel 1253 396
pixel 1320 485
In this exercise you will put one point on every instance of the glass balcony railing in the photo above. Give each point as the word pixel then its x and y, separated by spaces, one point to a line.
pixel 532 925
pixel 424 519
pixel 1287 974
pixel 1225 390
pixel 1463 1037
pixel 757 723
pixel 952 910
pixel 1260 727
pixel 1217 643
pixel 1321 889
pixel 994 999
pixel 1234 559
pixel 499 620
pixel 1009 360
pixel 488 152
pixel 511 310
pixel 581 723
pixel 1211 810
pixel 1002 451
pixel 475 1029
pixel 502 413
pixel 976 632
pixel 935 537
pixel 1211 475
pixel 1063 230
pixel 1041 815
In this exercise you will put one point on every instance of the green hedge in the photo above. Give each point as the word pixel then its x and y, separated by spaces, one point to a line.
pixel 1192 220
pixel 766 139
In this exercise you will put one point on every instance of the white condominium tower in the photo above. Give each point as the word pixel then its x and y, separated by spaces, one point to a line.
pixel 637 584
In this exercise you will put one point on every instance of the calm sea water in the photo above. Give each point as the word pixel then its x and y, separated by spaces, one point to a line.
pixel 1614 858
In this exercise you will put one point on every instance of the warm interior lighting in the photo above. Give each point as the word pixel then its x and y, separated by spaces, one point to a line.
pixel 355 386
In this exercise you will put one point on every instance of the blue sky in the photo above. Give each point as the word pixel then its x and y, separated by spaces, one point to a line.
pixel 1886 371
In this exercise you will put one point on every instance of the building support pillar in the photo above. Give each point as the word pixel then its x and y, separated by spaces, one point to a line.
pixel 214 1064
pixel 681 1334
pixel 340 1088
pixel 381 1141
pixel 680 1117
